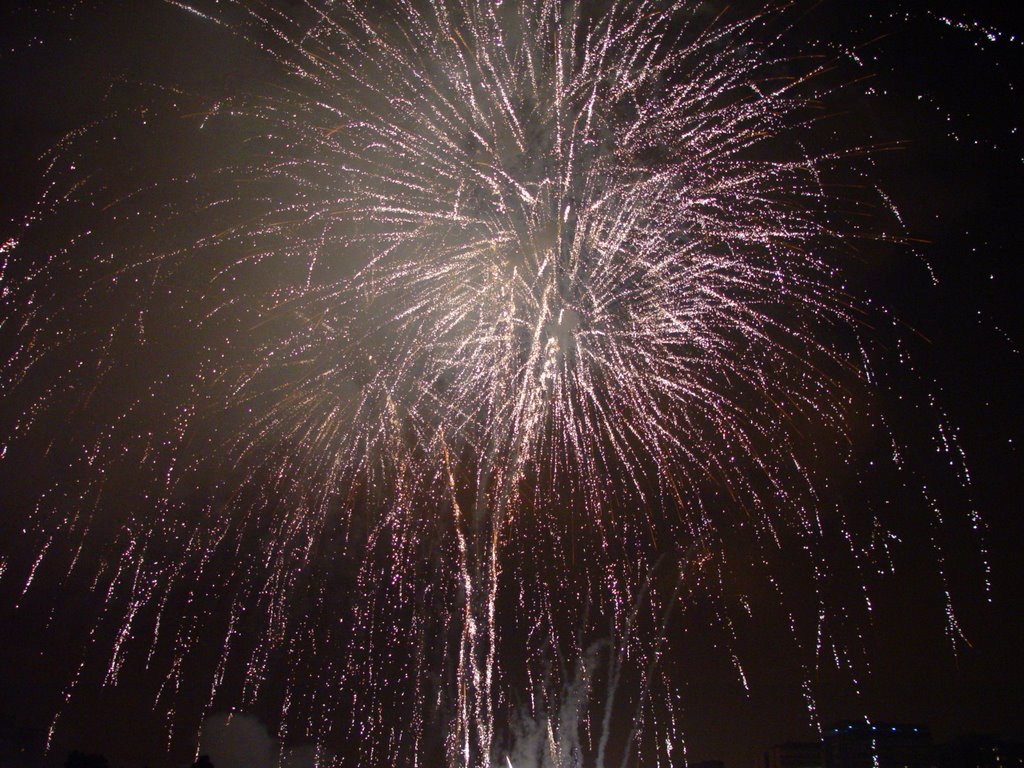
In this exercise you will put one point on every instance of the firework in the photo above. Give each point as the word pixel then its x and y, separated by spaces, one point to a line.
pixel 472 274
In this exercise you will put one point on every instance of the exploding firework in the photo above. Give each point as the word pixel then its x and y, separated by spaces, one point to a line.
pixel 486 308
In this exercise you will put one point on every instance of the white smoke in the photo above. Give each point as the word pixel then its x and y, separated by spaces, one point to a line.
pixel 242 741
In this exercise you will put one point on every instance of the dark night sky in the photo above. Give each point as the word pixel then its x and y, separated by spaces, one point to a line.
pixel 962 198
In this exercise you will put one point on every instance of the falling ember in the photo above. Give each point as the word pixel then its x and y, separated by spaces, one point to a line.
pixel 496 324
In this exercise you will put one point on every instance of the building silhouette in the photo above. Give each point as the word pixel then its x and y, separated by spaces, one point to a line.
pixel 877 745
pixel 977 751
pixel 794 754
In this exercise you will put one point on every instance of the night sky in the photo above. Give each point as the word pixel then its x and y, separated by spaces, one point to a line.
pixel 943 98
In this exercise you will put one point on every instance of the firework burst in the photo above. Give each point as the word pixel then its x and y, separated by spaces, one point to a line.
pixel 473 274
